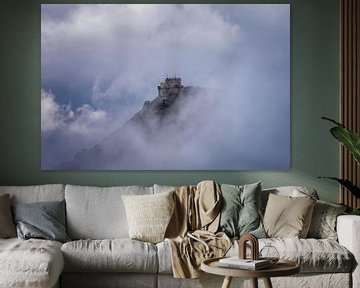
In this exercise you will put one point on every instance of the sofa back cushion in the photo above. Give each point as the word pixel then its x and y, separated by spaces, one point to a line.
pixel 37 193
pixel 163 188
pixel 98 212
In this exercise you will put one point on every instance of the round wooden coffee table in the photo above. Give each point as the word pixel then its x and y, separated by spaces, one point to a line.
pixel 281 268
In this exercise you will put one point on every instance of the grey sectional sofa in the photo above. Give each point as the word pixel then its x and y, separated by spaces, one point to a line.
pixel 101 254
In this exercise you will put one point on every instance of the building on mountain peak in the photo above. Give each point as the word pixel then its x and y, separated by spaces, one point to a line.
pixel 170 85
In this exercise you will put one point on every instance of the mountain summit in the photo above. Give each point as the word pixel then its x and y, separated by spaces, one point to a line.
pixel 159 129
pixel 172 97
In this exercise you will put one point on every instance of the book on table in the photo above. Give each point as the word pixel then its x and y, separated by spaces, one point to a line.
pixel 236 262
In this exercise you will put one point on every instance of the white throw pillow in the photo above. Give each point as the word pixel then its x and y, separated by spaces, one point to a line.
pixel 149 215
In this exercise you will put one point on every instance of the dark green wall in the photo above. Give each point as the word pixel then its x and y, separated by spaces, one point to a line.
pixel 314 93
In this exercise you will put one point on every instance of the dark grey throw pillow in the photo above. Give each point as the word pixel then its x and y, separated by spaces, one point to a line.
pixel 44 220
pixel 240 213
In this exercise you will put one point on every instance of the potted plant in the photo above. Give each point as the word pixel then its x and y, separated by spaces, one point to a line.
pixel 351 141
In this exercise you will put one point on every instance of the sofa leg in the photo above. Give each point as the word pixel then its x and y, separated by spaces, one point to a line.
pixel 267 282
pixel 227 282
pixel 254 282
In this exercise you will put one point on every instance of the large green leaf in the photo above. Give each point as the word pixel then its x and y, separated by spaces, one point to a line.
pixel 347 184
pixel 348 138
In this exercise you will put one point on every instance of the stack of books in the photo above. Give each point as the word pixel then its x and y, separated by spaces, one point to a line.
pixel 248 264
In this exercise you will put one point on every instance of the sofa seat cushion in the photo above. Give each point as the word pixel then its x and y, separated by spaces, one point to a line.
pixel 164 257
pixel 30 263
pixel 115 255
pixel 313 255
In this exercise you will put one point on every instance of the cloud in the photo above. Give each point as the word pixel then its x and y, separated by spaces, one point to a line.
pixel 119 46
pixel 65 130
pixel 53 115
pixel 83 120
pixel 123 51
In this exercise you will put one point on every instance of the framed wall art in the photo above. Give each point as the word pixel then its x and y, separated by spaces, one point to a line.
pixel 165 86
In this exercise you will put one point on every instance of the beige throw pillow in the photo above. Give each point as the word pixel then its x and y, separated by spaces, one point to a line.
pixel 7 226
pixel 149 215
pixel 288 217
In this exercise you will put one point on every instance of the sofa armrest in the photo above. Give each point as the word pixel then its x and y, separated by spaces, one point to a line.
pixel 348 230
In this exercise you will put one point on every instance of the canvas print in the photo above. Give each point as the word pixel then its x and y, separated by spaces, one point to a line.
pixel 165 86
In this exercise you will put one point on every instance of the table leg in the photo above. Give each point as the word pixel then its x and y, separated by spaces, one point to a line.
pixel 254 282
pixel 227 282
pixel 267 283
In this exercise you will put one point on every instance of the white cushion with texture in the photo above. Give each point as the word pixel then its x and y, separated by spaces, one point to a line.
pixel 30 263
pixel 117 255
pixel 149 215
pixel 98 213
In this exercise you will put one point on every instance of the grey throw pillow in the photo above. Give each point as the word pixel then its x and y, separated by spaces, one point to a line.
pixel 323 222
pixel 240 213
pixel 44 220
